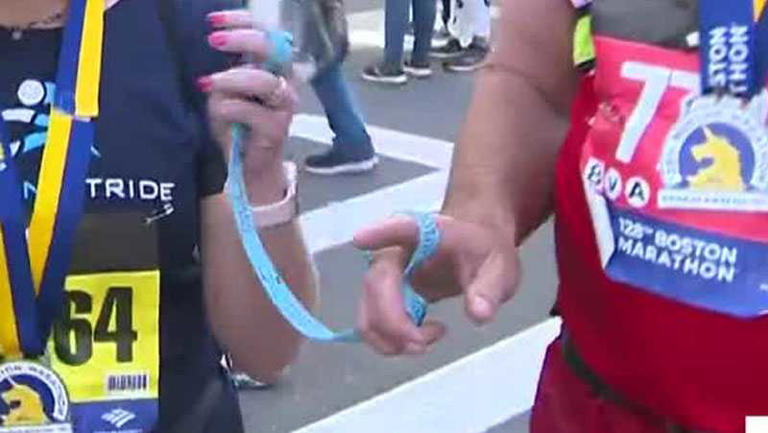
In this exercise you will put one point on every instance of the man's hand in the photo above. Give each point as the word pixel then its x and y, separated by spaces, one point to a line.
pixel 500 188
pixel 243 319
pixel 473 259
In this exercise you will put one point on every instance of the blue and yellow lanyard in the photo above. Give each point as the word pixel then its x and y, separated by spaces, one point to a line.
pixel 33 269
pixel 733 44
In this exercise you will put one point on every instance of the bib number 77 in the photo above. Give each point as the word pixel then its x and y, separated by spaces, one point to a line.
pixel 656 80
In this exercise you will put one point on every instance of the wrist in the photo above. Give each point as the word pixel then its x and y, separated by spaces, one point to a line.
pixel 283 210
pixel 265 183
pixel 486 210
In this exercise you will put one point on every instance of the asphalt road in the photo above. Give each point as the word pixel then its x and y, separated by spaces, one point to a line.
pixel 328 379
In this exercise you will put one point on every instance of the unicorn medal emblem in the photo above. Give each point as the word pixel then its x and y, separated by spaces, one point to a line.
pixel 32 398
pixel 724 173
pixel 716 156
pixel 26 406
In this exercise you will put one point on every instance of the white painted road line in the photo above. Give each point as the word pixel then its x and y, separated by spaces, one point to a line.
pixel 391 143
pixel 322 227
pixel 335 224
pixel 470 395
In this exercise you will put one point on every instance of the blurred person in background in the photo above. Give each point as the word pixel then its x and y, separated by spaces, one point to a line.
pixel 392 69
pixel 352 150
pixel 468 24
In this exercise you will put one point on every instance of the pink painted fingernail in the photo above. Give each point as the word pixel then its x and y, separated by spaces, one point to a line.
pixel 218 39
pixel 205 84
pixel 217 19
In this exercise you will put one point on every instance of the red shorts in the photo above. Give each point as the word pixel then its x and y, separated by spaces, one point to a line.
pixel 565 403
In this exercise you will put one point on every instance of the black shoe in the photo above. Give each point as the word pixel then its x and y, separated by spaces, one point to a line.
pixel 378 74
pixel 243 382
pixel 335 162
pixel 450 50
pixel 472 59
pixel 418 69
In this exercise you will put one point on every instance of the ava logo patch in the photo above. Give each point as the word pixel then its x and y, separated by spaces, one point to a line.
pixel 716 157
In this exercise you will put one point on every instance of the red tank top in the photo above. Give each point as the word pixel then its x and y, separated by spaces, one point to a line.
pixel 703 369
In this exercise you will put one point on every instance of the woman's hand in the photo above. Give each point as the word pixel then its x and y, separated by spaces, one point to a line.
pixel 246 95
pixel 473 259
pixel 245 322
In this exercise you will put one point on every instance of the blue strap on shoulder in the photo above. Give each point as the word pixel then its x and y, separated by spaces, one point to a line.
pixel 275 287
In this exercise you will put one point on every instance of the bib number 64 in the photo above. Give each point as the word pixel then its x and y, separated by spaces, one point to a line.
pixel 74 334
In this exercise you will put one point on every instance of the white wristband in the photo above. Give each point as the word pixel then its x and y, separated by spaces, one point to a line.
pixel 283 211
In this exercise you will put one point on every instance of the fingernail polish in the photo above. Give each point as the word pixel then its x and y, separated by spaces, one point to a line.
pixel 216 19
pixel 204 84
pixel 217 39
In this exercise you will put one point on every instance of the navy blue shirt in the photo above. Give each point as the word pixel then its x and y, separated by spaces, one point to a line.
pixel 151 155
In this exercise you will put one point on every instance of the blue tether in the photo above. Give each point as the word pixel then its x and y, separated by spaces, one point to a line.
pixel 274 285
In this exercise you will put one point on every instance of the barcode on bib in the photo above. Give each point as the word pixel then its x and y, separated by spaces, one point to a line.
pixel 127 383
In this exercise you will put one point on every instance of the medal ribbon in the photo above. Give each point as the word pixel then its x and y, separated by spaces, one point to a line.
pixel 32 273
pixel 733 34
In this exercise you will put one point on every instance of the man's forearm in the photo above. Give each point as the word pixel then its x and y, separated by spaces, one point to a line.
pixel 504 161
pixel 503 168
pixel 246 323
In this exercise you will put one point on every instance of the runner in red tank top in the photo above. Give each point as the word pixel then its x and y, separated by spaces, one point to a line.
pixel 659 201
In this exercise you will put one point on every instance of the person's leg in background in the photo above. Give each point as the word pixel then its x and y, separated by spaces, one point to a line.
pixel 451 48
pixel 446 13
pixel 473 56
pixel 390 70
pixel 352 150
pixel 442 36
pixel 424 12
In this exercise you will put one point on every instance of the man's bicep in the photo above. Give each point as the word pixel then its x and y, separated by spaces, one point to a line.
pixel 534 39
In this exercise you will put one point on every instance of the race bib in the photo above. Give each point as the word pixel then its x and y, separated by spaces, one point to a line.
pixel 105 346
pixel 677 185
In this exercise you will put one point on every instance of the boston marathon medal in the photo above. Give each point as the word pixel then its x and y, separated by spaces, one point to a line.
pixel 33 399
pixel 716 156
